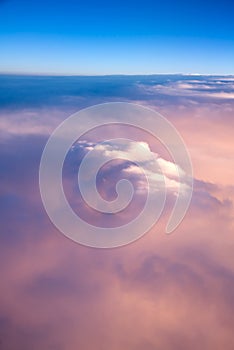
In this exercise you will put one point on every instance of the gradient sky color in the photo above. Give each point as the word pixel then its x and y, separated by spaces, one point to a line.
pixel 119 37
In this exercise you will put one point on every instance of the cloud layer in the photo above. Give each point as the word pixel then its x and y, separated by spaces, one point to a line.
pixel 161 292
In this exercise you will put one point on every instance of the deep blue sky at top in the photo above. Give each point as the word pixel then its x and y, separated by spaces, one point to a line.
pixel 114 37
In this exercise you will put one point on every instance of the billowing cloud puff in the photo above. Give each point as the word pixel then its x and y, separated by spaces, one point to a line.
pixel 136 152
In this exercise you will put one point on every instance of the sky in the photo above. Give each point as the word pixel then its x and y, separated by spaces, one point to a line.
pixel 118 37
pixel 170 292
pixel 159 292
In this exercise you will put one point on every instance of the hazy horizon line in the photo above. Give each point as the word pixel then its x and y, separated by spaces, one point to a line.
pixel 112 75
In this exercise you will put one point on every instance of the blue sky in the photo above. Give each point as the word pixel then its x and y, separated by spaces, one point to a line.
pixel 119 37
